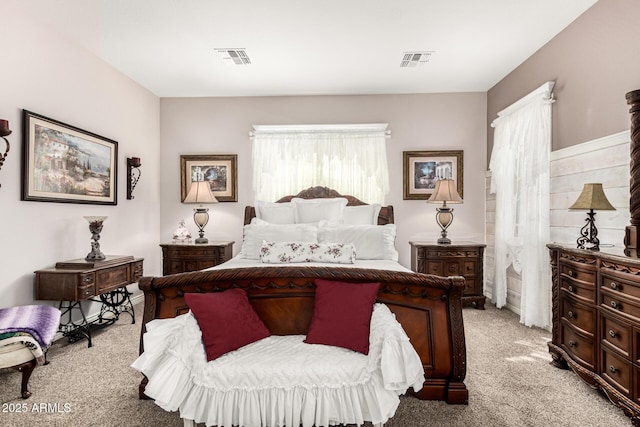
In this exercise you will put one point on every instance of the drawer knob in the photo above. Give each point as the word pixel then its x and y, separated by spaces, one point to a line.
pixel 572 344
pixel 612 333
pixel 614 285
pixel 570 273
pixel 570 314
pixel 612 369
pixel 87 279
pixel 570 288
pixel 615 304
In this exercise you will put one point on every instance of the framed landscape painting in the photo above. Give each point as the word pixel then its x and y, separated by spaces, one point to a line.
pixel 62 163
pixel 421 170
pixel 219 170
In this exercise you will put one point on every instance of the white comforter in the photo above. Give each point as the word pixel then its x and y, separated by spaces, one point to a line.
pixel 376 264
pixel 279 381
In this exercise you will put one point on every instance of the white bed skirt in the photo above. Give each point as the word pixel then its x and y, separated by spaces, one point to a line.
pixel 280 380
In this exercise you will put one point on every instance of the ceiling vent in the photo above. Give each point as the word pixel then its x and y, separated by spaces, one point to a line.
pixel 415 59
pixel 234 56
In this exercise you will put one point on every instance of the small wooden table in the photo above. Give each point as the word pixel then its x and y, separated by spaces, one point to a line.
pixel 73 281
pixel 184 257
pixel 455 259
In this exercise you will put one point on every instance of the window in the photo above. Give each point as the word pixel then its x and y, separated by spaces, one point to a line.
pixel 351 159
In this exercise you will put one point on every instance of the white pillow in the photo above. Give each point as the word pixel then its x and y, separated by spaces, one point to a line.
pixel 370 241
pixel 254 234
pixel 288 252
pixel 365 214
pixel 307 211
pixel 275 213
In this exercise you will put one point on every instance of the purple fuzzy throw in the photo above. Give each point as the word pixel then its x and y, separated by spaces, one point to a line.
pixel 40 321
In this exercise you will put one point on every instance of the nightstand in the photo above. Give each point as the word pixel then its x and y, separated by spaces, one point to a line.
pixel 184 257
pixel 456 259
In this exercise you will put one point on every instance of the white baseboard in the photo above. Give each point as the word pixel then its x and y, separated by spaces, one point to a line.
pixel 135 299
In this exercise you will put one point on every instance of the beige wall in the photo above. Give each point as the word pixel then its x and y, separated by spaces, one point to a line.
pixel 594 62
pixel 44 73
pixel 417 122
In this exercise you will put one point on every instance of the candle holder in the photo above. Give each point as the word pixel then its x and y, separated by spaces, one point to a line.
pixel 95 227
pixel 4 131
pixel 133 175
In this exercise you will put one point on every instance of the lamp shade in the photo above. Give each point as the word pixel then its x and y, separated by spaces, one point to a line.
pixel 592 198
pixel 200 192
pixel 445 191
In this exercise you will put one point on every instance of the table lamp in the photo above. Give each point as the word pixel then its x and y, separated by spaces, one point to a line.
pixel 445 191
pixel 200 192
pixel 592 198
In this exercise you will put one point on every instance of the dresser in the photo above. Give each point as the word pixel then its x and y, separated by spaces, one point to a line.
pixel 596 321
pixel 184 257
pixel 457 259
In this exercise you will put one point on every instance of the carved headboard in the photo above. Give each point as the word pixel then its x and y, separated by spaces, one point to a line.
pixel 385 216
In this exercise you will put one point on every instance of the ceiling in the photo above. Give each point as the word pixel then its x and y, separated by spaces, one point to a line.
pixel 309 47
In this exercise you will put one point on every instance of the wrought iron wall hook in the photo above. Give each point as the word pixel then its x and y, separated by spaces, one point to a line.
pixel 4 131
pixel 133 175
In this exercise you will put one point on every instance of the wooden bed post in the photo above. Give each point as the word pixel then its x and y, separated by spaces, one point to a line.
pixel 632 232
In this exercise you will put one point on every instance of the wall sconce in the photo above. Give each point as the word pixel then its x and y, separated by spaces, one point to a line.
pixel 445 191
pixel 592 198
pixel 200 192
pixel 133 175
pixel 4 131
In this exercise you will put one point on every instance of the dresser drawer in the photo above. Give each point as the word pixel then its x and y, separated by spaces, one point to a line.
pixel 585 292
pixel 621 304
pixel 616 371
pixel 581 348
pixel 584 276
pixel 579 315
pixel 616 333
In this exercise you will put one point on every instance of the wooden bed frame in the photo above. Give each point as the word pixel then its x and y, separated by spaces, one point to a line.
pixel 428 307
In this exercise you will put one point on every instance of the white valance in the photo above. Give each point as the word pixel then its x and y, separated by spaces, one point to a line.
pixel 352 159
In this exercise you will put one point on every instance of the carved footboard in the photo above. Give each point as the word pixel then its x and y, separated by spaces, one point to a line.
pixel 428 307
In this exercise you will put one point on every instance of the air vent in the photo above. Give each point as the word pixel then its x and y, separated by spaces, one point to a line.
pixel 415 59
pixel 234 56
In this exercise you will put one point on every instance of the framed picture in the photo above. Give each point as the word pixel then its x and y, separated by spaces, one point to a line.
pixel 62 163
pixel 421 170
pixel 219 170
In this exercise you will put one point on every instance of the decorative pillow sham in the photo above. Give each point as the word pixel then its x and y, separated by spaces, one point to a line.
pixel 227 321
pixel 275 213
pixel 362 215
pixel 290 252
pixel 307 211
pixel 342 314
pixel 370 241
pixel 255 233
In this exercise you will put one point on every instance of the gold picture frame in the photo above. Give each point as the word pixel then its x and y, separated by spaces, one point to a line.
pixel 220 170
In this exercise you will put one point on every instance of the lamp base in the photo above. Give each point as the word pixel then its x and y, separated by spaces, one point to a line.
pixel 202 240
pixel 444 241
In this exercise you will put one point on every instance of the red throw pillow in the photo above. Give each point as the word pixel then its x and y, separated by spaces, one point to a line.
pixel 227 321
pixel 342 314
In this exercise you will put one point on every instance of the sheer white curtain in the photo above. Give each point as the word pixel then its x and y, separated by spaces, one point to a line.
pixel 351 159
pixel 520 179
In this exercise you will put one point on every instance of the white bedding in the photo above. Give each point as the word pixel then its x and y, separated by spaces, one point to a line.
pixel 279 381
pixel 378 264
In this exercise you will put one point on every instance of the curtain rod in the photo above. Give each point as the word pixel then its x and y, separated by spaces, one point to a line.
pixel 546 90
pixel 349 128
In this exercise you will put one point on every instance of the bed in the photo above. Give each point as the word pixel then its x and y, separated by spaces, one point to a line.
pixel 429 308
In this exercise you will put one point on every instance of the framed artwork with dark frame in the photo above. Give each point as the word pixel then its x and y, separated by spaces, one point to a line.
pixel 66 164
pixel 219 170
pixel 421 170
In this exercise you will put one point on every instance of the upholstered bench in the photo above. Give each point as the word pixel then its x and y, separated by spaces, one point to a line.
pixel 26 333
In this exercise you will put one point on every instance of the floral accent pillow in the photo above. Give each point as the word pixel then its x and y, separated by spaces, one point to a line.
pixel 289 252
